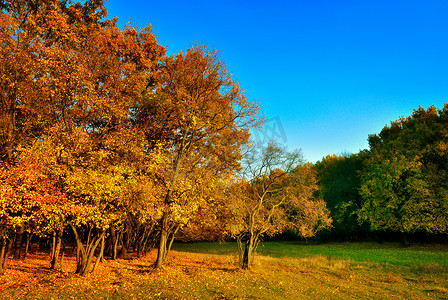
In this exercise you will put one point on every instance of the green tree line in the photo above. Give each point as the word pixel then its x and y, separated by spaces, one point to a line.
pixel 398 186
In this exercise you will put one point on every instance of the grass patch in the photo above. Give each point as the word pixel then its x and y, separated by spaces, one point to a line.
pixel 386 253
pixel 209 271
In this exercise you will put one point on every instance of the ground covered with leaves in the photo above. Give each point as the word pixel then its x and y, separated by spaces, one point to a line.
pixel 189 275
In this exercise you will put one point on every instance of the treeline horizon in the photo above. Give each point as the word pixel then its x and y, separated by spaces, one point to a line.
pixel 111 145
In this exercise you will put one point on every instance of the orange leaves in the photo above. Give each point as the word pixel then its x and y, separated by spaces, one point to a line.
pixel 86 77
pixel 26 193
pixel 193 112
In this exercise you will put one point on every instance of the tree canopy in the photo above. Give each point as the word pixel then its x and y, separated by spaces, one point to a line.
pixel 398 186
pixel 404 186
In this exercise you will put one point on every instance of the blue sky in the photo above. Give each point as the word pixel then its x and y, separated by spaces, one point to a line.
pixel 328 73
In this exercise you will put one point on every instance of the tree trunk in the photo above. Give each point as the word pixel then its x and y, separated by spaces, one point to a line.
pixel 249 249
pixel 124 248
pixel 91 251
pixel 85 254
pixel 140 244
pixel 140 239
pixel 80 252
pixel 404 239
pixel 100 256
pixel 171 241
pixel 110 241
pixel 37 246
pixel 61 264
pixel 141 249
pixel 57 248
pixel 3 256
pixel 29 235
pixel 247 256
pixel 111 244
pixel 52 245
pixel 18 242
pixel 239 241
pixel 148 241
pixel 5 250
pixel 115 246
pixel 161 254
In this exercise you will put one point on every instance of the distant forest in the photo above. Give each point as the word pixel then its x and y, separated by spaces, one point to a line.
pixel 399 187
pixel 110 145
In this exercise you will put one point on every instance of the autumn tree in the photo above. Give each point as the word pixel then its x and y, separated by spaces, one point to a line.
pixel 71 81
pixel 275 192
pixel 194 127
pixel 18 95
pixel 404 184
pixel 23 109
pixel 25 195
pixel 96 140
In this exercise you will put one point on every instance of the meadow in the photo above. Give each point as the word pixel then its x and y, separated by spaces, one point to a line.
pixel 282 270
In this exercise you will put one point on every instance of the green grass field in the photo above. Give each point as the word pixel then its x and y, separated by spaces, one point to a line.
pixel 388 253
pixel 282 270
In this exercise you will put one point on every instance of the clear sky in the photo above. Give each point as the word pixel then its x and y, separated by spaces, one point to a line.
pixel 328 73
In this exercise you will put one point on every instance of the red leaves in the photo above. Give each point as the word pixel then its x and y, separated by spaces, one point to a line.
pixel 25 192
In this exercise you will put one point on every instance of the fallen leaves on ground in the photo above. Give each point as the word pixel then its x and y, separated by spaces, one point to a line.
pixel 209 276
